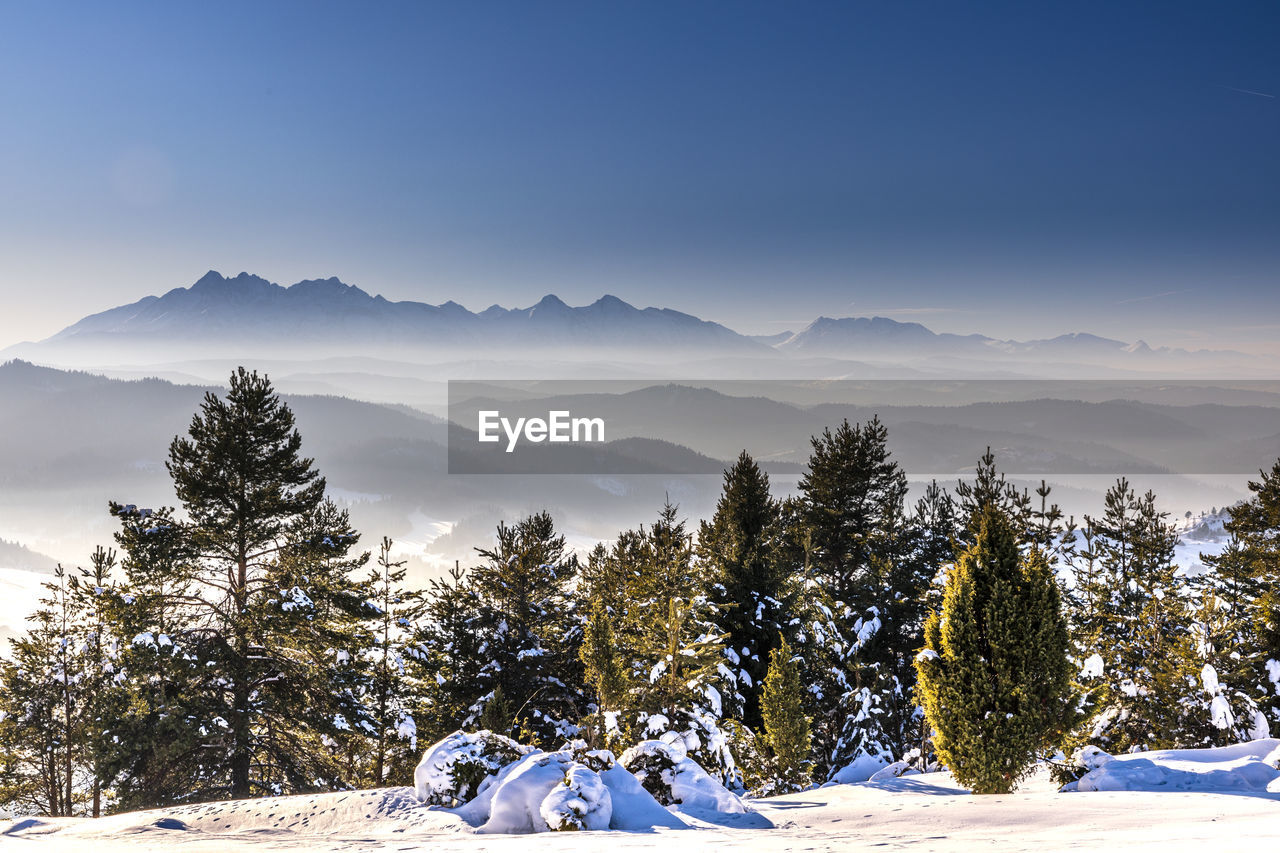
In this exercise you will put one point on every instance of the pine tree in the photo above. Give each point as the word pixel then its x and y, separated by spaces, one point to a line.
pixel 1132 613
pixel 1245 589
pixel 668 643
pixel 93 595
pixel 393 694
pixel 605 675
pixel 737 548
pixel 786 728
pixel 994 674
pixel 522 609
pixel 859 548
pixel 263 595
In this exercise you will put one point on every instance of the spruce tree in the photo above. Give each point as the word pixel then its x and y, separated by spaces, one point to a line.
pixel 786 728
pixel 994 673
pixel 859 547
pixel 737 548
pixel 531 629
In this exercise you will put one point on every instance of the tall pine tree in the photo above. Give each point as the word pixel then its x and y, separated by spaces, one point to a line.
pixel 263 595
pixel 737 548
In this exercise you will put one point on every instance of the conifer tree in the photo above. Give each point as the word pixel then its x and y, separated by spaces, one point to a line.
pixel 605 675
pixel 1245 585
pixel 448 655
pixel 393 695
pixel 737 549
pixel 1132 628
pixel 668 643
pixel 264 596
pixel 786 728
pixel 42 740
pixel 994 674
pixel 92 592
pixel 531 629
pixel 860 549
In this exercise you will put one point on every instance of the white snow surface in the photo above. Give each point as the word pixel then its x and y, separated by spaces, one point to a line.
pixel 921 812
pixel 1249 767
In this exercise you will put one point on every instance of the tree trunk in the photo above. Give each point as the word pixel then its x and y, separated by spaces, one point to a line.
pixel 241 749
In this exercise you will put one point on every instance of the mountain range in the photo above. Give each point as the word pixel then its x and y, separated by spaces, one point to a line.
pixel 247 307
pixel 219 316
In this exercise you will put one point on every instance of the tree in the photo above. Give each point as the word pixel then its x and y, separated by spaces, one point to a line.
pixel 93 599
pixel 393 694
pixel 737 548
pixel 786 728
pixel 42 747
pixel 667 642
pixel 994 674
pixel 989 487
pixel 604 674
pixel 262 594
pixel 1132 629
pixel 448 648
pixel 1245 586
pixel 858 546
pixel 531 629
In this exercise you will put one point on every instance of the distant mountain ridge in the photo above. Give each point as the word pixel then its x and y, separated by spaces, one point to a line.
pixel 247 306
pixel 218 316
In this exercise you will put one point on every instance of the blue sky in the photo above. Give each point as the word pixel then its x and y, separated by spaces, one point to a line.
pixel 1016 169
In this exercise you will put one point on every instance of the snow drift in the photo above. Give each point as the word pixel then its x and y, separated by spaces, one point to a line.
pixel 500 786
pixel 1251 767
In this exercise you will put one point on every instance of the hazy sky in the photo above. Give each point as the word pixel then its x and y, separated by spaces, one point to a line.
pixel 993 167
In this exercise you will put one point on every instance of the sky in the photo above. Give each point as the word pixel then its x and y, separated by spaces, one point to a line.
pixel 1016 169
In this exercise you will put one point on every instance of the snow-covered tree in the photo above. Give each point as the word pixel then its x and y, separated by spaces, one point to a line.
pixel 737 549
pixel 668 643
pixel 859 548
pixel 393 694
pixel 1243 592
pixel 1133 630
pixel 254 582
pixel 531 629
pixel 42 725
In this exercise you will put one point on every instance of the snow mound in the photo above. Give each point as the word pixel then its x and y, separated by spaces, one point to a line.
pixel 666 772
pixel 861 769
pixel 552 791
pixel 1249 767
pixel 499 786
pixel 582 802
pixel 462 765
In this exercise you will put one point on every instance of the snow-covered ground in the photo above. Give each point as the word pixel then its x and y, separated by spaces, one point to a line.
pixel 923 812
